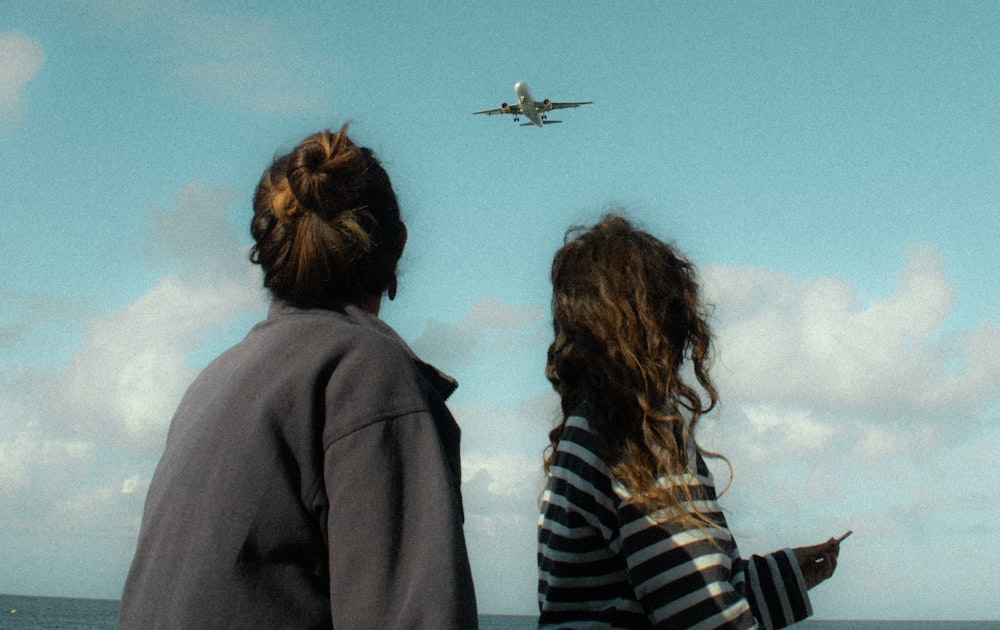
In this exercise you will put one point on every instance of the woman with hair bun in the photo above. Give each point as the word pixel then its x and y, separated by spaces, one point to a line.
pixel 631 535
pixel 311 477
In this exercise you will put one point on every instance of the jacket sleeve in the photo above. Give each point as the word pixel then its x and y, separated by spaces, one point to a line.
pixel 776 589
pixel 397 553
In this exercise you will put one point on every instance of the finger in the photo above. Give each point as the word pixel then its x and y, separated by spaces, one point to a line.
pixel 817 572
pixel 815 550
pixel 830 560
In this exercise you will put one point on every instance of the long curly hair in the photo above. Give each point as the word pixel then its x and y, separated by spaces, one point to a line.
pixel 326 224
pixel 627 318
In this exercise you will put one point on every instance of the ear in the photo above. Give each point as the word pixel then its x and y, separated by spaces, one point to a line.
pixel 391 289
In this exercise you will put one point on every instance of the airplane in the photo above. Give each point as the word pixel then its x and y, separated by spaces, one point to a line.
pixel 527 105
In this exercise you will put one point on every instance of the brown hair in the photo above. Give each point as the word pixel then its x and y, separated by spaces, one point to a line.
pixel 326 224
pixel 626 315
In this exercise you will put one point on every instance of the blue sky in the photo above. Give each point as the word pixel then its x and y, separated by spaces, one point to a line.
pixel 832 168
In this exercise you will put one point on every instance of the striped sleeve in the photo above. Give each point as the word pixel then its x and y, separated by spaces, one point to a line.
pixel 776 589
pixel 682 576
pixel 695 578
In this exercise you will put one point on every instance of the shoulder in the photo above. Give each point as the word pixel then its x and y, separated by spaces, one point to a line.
pixel 577 455
pixel 357 365
pixel 579 488
pixel 577 439
pixel 315 337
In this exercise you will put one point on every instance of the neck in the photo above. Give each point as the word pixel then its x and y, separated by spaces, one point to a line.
pixel 371 303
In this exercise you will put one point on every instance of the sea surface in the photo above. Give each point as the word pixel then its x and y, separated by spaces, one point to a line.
pixel 58 613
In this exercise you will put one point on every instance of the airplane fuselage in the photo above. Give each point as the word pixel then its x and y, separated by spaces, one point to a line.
pixel 527 103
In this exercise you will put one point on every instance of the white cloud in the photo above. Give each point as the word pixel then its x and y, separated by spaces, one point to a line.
pixel 20 60
pixel 123 385
pixel 840 413
pixel 126 382
pixel 501 474
pixel 815 343
pixel 490 320
pixel 135 485
pixel 196 235
pixel 878 442
pixel 785 428
pixel 100 508
pixel 84 509
pixel 814 380
pixel 29 452
pixel 500 492
pixel 502 479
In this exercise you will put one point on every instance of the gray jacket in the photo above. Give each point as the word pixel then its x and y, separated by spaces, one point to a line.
pixel 311 479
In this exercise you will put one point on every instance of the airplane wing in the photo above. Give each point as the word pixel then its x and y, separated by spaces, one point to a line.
pixel 548 105
pixel 509 109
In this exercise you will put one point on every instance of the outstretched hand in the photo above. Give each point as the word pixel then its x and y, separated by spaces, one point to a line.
pixel 818 562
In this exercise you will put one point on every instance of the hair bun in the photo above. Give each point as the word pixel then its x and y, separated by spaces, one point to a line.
pixel 323 173
pixel 326 224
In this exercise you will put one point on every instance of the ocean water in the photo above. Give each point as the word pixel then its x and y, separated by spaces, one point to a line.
pixel 56 613
pixel 22 612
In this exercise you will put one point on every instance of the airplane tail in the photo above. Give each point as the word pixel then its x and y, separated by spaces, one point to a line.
pixel 544 122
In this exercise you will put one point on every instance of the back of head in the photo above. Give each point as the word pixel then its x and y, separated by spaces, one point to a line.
pixel 326 224
pixel 627 314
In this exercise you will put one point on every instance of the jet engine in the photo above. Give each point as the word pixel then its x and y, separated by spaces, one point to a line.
pixel 547 105
pixel 505 108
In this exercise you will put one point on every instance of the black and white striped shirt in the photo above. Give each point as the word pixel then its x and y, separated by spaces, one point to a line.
pixel 605 564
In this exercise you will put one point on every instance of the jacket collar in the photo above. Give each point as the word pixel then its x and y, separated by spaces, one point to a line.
pixel 444 384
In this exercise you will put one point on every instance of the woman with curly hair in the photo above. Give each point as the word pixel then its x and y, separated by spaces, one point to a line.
pixel 311 477
pixel 631 535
